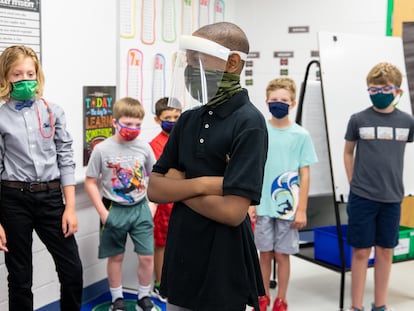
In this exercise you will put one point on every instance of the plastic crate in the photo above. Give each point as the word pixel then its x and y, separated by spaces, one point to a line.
pixel 327 247
pixel 405 247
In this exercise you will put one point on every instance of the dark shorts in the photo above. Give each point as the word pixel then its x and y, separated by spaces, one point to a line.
pixel 135 221
pixel 372 223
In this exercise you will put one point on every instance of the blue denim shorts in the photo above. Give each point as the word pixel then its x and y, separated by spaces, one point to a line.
pixel 372 223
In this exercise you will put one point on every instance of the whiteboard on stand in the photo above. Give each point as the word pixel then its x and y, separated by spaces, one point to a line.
pixel 345 60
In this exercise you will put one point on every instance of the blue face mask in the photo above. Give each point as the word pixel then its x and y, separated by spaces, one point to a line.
pixel 381 100
pixel 278 109
pixel 167 126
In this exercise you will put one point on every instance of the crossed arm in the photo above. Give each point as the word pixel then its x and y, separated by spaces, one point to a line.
pixel 203 195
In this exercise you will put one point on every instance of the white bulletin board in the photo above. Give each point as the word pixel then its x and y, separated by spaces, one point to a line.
pixel 345 61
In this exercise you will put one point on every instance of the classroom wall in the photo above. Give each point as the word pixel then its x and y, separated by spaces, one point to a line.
pixel 267 23
pixel 79 47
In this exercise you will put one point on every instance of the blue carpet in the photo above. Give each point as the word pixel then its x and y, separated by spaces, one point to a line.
pixel 103 302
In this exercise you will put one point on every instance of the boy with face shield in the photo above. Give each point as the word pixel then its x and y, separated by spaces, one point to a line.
pixel 379 134
pixel 208 170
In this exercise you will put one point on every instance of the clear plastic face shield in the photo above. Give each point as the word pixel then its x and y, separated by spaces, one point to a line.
pixel 198 70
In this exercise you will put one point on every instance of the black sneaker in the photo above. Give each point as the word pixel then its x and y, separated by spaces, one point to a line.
pixel 156 294
pixel 118 305
pixel 145 304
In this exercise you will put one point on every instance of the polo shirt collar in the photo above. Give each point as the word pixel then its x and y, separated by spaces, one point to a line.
pixel 230 106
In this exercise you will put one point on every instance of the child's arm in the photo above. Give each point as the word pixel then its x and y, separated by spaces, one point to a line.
pixel 252 213
pixel 173 187
pixel 69 218
pixel 300 215
pixel 91 187
pixel 203 195
pixel 230 210
pixel 349 158
pixel 3 240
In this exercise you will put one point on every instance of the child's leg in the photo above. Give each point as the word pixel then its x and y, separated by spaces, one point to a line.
pixel 266 267
pixel 142 236
pixel 264 237
pixel 114 270
pixel 145 269
pixel 158 261
pixel 387 238
pixel 383 262
pixel 161 220
pixel 283 274
pixel 358 275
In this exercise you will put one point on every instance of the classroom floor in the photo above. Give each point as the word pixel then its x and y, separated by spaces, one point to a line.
pixel 316 288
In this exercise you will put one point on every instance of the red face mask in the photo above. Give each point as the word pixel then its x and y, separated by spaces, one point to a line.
pixel 128 133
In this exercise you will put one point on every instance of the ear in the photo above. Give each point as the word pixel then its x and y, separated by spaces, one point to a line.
pixel 157 120
pixel 114 124
pixel 234 64
pixel 292 104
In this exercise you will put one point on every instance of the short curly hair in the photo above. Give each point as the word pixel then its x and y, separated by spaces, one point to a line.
pixel 384 74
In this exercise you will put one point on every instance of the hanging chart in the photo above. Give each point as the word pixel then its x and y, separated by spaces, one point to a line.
pixel 148 21
pixel 168 21
pixel 158 79
pixel 134 74
pixel 127 10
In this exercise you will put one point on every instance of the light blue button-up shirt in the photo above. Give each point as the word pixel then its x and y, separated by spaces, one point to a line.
pixel 29 150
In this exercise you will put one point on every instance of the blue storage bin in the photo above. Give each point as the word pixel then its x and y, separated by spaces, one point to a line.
pixel 327 246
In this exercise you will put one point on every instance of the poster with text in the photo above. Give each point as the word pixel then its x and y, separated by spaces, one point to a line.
pixel 97 115
pixel 20 24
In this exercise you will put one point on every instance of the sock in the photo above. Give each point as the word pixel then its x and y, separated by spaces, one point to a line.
pixel 116 293
pixel 157 284
pixel 143 291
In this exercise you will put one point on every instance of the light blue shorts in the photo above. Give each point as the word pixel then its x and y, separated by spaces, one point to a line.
pixel 274 234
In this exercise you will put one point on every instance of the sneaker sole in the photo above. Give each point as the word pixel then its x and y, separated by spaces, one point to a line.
pixel 159 297
pixel 138 308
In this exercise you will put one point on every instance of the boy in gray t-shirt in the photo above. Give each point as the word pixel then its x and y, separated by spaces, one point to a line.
pixel 379 135
pixel 120 165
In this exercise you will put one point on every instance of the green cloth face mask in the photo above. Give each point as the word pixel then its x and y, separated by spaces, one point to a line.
pixel 227 87
pixel 24 89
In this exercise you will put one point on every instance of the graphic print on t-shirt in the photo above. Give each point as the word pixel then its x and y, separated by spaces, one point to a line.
pixel 127 180
pixel 285 195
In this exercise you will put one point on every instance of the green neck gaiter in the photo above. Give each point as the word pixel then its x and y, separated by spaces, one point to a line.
pixel 228 86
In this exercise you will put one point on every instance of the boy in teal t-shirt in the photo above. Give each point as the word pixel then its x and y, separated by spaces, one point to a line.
pixel 282 210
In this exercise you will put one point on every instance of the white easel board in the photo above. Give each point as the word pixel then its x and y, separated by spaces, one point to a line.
pixel 345 62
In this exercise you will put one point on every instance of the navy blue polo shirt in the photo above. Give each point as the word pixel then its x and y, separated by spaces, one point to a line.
pixel 209 265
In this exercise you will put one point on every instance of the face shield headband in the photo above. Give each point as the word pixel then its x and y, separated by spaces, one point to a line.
pixel 198 70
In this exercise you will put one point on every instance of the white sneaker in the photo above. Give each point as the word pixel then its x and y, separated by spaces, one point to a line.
pixel 155 293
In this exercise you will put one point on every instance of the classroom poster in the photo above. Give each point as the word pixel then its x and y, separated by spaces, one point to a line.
pixel 20 24
pixel 97 115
